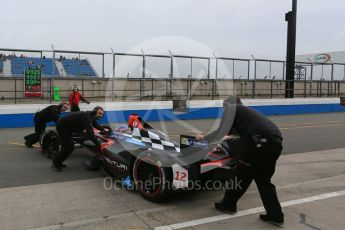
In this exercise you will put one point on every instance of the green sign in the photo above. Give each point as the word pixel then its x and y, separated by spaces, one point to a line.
pixel 32 83
pixel 56 93
pixel 322 58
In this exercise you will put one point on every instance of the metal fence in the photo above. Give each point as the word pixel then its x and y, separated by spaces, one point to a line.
pixel 142 65
pixel 124 76
pixel 139 89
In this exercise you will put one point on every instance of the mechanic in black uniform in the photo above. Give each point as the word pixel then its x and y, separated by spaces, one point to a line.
pixel 258 148
pixel 73 123
pixel 41 118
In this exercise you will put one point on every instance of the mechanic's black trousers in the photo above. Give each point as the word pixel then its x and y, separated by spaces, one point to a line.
pixel 67 145
pixel 33 138
pixel 263 163
pixel 75 108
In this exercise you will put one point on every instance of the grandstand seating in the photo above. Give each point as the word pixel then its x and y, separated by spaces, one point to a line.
pixel 1 65
pixel 77 67
pixel 19 64
pixel 72 67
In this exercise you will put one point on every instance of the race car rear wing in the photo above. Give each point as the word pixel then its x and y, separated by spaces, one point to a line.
pixel 191 142
pixel 192 147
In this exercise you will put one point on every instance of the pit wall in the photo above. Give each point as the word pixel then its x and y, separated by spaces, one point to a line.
pixel 12 116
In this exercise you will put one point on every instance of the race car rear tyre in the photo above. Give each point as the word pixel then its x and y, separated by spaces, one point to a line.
pixel 151 180
pixel 50 144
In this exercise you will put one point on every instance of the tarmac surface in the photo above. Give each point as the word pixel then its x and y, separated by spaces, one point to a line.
pixel 310 178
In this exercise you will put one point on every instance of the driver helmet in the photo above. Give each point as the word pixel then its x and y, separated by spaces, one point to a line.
pixel 134 122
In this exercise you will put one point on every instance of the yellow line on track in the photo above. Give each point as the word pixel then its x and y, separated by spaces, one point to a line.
pixel 15 143
pixel 311 123
pixel 312 126
pixel 285 126
pixel 20 144
pixel 4 149
pixel 282 128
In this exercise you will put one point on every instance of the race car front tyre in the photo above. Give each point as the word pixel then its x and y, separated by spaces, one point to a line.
pixel 151 180
pixel 50 144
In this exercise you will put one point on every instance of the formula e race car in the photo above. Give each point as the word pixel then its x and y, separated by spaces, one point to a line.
pixel 146 159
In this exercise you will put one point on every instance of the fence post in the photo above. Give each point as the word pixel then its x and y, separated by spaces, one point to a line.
pixel 144 64
pixel 15 90
pixel 305 86
pixel 113 78
pixel 271 88
pixel 233 69
pixel 82 85
pixel 152 88
pixel 103 75
pixel 213 89
pixel 49 91
pixel 208 68
pixel 187 88
pixel 190 89
pixel 248 72
pixel 166 89
pixel 254 85
pixel 191 67
pixel 170 89
pixel 332 79
pixel 171 65
pixel 320 88
pixel 329 86
pixel 216 77
pixel 140 88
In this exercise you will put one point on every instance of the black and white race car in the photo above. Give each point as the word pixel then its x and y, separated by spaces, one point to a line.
pixel 148 160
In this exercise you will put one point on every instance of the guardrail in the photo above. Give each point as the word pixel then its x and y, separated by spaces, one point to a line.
pixel 118 112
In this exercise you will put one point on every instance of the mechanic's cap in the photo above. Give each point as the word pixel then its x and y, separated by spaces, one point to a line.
pixel 233 100
pixel 97 108
pixel 134 122
pixel 62 103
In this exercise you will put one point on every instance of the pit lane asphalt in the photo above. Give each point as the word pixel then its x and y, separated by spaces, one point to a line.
pixel 20 166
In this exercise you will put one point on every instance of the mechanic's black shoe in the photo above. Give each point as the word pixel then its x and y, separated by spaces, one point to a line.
pixel 56 167
pixel 28 145
pixel 227 208
pixel 63 165
pixel 277 221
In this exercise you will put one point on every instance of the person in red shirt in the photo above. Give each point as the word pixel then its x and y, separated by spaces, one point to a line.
pixel 74 98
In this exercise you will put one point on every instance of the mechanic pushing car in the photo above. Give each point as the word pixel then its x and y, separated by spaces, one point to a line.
pixel 258 148
pixel 74 99
pixel 73 123
pixel 41 118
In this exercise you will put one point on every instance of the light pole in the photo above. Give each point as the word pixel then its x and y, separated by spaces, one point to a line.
pixel 290 17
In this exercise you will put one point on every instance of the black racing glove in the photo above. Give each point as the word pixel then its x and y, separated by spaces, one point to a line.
pixel 103 132
pixel 98 147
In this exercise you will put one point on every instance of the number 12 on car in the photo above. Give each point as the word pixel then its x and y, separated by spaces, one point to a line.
pixel 180 174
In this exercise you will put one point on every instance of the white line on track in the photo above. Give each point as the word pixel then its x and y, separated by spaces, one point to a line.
pixel 248 212
pixel 99 220
pixel 193 222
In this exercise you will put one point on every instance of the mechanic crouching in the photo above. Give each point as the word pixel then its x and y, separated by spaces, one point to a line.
pixel 41 118
pixel 74 123
pixel 258 148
